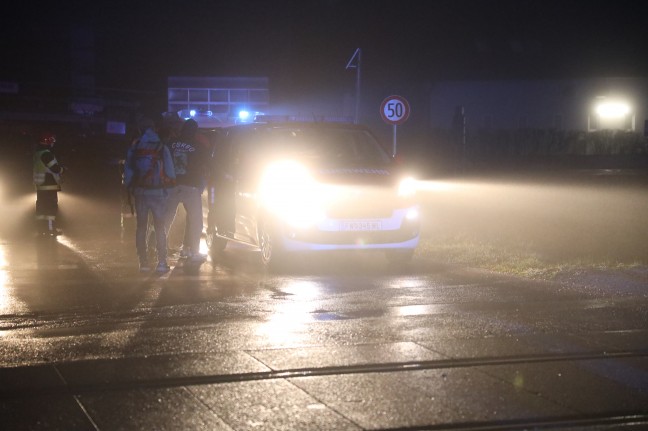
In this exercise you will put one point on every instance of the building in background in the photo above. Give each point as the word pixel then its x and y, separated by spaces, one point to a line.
pixel 543 117
pixel 218 101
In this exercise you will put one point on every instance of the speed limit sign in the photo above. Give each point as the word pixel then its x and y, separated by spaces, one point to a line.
pixel 394 110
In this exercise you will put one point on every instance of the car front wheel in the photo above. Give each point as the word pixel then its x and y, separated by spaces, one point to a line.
pixel 272 254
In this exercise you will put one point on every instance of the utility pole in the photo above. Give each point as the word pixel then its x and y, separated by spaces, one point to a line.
pixel 357 57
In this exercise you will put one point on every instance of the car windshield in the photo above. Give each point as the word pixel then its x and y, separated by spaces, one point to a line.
pixel 327 147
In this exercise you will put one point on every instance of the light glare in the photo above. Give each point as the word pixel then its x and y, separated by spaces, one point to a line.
pixel 289 191
pixel 407 187
pixel 612 109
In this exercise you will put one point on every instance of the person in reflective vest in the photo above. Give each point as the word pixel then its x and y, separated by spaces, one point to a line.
pixel 47 180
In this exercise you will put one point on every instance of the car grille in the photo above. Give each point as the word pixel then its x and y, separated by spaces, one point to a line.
pixel 407 231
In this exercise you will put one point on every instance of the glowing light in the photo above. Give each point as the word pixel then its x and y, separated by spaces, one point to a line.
pixel 412 214
pixel 289 191
pixel 192 112
pixel 407 187
pixel 244 115
pixel 612 109
pixel 203 247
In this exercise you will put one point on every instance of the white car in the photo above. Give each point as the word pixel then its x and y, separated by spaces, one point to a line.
pixel 309 187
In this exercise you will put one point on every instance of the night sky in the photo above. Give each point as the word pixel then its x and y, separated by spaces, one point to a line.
pixel 303 46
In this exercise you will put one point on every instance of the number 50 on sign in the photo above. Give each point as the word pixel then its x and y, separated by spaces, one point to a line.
pixel 395 110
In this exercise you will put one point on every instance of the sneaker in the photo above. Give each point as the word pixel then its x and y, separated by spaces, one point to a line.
pixel 51 232
pixel 198 257
pixel 162 268
pixel 144 267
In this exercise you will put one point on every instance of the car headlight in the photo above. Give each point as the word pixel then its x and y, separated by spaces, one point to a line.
pixel 407 187
pixel 289 191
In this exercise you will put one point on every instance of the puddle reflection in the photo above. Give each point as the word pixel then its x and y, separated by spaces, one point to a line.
pixel 288 322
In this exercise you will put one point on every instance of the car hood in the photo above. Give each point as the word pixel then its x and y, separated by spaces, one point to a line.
pixel 365 175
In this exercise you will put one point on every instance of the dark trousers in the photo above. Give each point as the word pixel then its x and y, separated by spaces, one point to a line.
pixel 46 204
pixel 46 209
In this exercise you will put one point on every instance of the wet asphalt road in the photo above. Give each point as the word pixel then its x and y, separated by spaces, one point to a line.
pixel 347 342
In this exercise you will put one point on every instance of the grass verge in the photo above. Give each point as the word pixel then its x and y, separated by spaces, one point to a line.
pixel 520 259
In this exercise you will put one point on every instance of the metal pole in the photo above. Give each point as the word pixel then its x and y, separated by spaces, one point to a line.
pixel 357 107
pixel 351 65
pixel 394 143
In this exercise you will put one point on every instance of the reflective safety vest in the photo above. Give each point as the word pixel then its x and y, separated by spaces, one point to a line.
pixel 41 170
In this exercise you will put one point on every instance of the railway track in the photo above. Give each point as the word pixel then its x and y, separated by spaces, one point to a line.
pixel 627 420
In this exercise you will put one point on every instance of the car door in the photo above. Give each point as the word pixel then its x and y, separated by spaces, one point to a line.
pixel 246 173
pixel 220 190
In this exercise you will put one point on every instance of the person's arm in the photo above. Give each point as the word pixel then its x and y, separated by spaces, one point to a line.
pixel 169 170
pixel 50 161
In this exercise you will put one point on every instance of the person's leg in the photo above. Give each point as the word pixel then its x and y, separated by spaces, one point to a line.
pixel 186 239
pixel 193 205
pixel 41 217
pixel 187 250
pixel 53 208
pixel 46 209
pixel 159 210
pixel 172 207
pixel 141 211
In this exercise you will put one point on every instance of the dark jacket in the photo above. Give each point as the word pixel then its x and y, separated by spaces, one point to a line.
pixel 190 153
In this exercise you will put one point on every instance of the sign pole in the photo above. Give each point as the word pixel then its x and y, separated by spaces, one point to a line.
pixel 394 142
pixel 394 110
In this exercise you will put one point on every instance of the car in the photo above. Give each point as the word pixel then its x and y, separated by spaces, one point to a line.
pixel 290 188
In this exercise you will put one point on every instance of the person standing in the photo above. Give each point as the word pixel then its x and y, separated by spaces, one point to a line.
pixel 190 153
pixel 47 179
pixel 127 205
pixel 149 173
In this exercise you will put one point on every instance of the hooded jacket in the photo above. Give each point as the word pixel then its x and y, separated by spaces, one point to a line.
pixel 149 141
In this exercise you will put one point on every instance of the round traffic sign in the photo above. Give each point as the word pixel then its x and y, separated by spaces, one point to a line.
pixel 394 110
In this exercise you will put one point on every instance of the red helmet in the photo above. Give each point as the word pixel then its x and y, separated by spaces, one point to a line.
pixel 48 138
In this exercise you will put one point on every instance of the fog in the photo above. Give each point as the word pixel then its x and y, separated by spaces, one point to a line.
pixel 586 215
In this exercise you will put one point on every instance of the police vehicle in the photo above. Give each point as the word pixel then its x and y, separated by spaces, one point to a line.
pixel 291 188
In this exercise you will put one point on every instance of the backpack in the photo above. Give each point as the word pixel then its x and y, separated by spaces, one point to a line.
pixel 148 166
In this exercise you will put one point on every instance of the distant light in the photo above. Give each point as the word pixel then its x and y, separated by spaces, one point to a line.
pixel 612 109
pixel 244 115
pixel 192 112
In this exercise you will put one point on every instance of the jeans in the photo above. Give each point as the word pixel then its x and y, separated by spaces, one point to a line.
pixel 157 205
pixel 191 199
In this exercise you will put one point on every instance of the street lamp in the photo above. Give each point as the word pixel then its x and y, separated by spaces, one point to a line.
pixel 612 114
pixel 612 109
